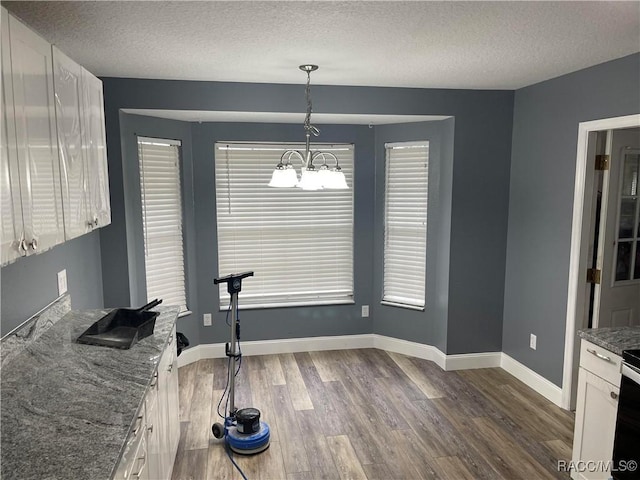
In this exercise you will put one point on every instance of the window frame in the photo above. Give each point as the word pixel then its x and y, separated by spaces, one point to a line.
pixel 158 141
pixel 387 297
pixel 279 148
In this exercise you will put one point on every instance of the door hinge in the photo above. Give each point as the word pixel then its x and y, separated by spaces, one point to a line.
pixel 593 276
pixel 602 162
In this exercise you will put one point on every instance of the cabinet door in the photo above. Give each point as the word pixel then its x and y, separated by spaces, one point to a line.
pixel 67 85
pixel 596 411
pixel 164 371
pixel 10 204
pixel 96 142
pixel 154 453
pixel 173 403
pixel 37 152
pixel 168 406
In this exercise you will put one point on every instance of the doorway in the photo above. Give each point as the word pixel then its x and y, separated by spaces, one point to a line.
pixel 600 244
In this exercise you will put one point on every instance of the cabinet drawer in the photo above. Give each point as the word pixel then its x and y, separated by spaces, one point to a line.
pixel 601 362
pixel 134 450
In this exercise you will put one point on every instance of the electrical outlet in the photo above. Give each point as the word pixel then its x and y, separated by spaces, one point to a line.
pixel 62 282
pixel 365 310
pixel 207 319
pixel 532 341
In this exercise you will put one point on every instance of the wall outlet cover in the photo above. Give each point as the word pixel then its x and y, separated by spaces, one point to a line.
pixel 365 310
pixel 62 282
pixel 206 319
pixel 533 341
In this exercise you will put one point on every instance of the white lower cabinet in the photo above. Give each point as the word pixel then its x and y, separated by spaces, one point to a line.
pixel 134 462
pixel 158 427
pixel 596 412
pixel 153 430
pixel 168 409
pixel 172 406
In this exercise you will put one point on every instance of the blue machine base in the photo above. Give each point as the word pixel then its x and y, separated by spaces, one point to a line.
pixel 248 444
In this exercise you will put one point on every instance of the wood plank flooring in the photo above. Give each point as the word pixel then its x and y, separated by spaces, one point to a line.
pixel 369 414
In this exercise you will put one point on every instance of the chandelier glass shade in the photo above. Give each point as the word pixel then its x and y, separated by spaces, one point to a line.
pixel 311 177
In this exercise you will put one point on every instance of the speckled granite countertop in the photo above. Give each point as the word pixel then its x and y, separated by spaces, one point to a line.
pixel 614 339
pixel 67 408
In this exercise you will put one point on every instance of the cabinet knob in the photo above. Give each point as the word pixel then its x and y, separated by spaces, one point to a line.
pixel 34 244
pixel 170 367
pixel 150 428
pixel 95 221
pixel 614 395
pixel 22 247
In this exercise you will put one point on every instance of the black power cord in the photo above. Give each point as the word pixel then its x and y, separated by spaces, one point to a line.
pixel 230 455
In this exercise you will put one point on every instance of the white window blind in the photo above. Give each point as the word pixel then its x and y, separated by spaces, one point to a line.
pixel 162 220
pixel 405 223
pixel 299 243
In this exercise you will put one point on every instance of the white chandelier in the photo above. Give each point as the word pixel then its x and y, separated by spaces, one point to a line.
pixel 311 178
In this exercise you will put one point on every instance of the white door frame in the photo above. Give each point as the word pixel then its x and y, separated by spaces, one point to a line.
pixel 576 299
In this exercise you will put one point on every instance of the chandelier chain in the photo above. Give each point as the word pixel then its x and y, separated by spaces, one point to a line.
pixel 307 121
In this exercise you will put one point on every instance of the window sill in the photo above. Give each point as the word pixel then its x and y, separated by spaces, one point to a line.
pixel 289 305
pixel 402 305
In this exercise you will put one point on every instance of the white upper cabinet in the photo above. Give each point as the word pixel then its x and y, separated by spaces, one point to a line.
pixel 35 137
pixel 82 147
pixel 99 206
pixel 67 82
pixel 53 166
pixel 10 204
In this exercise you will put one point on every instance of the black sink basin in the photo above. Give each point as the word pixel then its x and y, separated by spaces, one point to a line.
pixel 122 327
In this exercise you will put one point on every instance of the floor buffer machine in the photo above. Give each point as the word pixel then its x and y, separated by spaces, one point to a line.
pixel 243 431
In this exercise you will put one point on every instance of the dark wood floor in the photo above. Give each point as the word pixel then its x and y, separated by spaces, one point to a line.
pixel 370 414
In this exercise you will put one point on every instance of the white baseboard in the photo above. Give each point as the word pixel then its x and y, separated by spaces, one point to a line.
pixel 544 387
pixel 314 344
pixel 413 349
pixel 468 361
pixel 271 347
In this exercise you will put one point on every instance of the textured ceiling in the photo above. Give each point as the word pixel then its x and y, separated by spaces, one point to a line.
pixel 480 45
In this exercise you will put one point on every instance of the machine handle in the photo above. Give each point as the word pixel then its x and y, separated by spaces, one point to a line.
pixel 231 277
pixel 600 356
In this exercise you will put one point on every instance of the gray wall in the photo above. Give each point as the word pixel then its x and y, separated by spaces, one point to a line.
pixel 133 126
pixel 430 326
pixel 31 283
pixel 290 322
pixel 545 131
pixel 481 153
